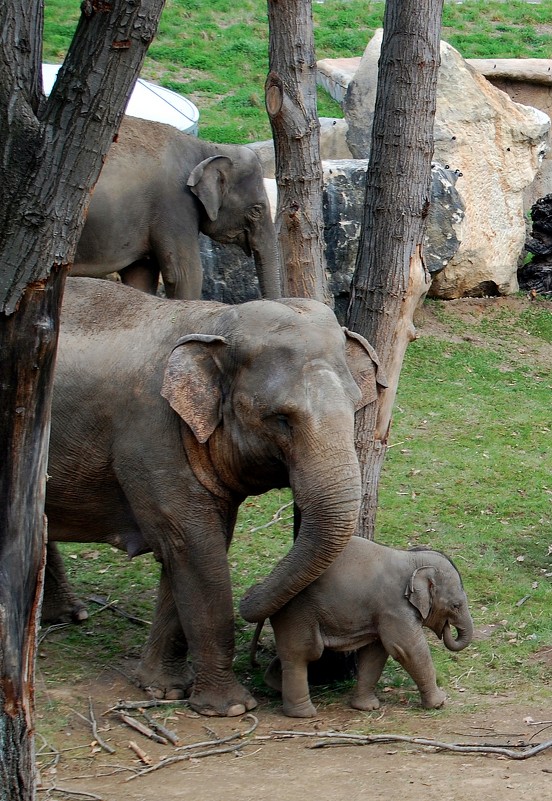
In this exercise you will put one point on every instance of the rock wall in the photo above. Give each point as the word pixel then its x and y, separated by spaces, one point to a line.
pixel 229 276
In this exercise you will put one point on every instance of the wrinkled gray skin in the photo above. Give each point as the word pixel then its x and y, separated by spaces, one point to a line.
pixel 166 415
pixel 375 599
pixel 158 189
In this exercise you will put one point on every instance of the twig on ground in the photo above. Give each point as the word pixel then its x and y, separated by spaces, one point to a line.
pixel 65 791
pixel 93 724
pixel 276 518
pixel 141 754
pixel 139 727
pixel 128 705
pixel 171 736
pixel 193 753
pixel 105 604
pixel 334 738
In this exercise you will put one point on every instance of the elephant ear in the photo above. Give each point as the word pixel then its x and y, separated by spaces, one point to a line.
pixel 419 590
pixel 191 383
pixel 364 364
pixel 208 182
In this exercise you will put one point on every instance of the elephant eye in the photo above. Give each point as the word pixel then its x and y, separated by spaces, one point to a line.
pixel 255 212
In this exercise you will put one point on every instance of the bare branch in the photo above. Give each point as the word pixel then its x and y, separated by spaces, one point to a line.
pixel 333 738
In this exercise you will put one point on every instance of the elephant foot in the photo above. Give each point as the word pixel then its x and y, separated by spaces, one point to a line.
pixel 213 703
pixel 365 703
pixel 66 610
pixel 306 709
pixel 434 700
pixel 170 685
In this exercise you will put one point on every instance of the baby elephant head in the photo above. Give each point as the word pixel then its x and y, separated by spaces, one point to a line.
pixel 435 589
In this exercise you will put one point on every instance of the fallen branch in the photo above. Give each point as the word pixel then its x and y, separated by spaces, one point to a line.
pixel 105 604
pixel 65 791
pixel 139 727
pixel 333 738
pixel 140 753
pixel 276 518
pixel 171 736
pixel 193 753
pixel 93 724
pixel 129 705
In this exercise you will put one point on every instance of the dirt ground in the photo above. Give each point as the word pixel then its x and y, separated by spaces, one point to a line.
pixel 268 766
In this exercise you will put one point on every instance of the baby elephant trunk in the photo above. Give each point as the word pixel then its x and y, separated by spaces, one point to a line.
pixel 464 632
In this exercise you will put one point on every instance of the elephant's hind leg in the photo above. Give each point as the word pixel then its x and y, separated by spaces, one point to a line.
pixel 60 604
pixel 371 661
pixel 164 669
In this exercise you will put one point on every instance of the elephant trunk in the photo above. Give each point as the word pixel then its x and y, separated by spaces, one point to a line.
pixel 264 247
pixel 327 493
pixel 464 631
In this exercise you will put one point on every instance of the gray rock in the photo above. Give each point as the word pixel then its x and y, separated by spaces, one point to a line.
pixel 229 276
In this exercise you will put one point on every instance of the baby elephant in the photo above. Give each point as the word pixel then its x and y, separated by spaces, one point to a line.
pixel 373 599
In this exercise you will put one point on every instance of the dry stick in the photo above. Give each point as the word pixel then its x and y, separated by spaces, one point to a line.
pixel 276 518
pixel 92 723
pixel 111 605
pixel 64 791
pixel 139 727
pixel 140 753
pixel 337 738
pixel 194 754
pixel 171 736
pixel 128 705
pixel 185 757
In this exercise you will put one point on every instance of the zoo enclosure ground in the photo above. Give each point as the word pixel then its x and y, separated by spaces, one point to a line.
pixel 289 769
pixel 267 768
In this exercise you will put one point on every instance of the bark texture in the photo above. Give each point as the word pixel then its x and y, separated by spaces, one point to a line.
pixel 291 104
pixel 51 153
pixel 390 277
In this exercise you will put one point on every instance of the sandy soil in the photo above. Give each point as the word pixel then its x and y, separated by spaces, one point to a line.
pixel 271 767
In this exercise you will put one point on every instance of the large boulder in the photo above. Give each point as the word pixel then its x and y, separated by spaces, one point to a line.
pixel 229 276
pixel 494 144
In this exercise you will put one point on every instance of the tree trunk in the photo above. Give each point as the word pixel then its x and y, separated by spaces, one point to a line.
pixel 51 154
pixel 291 105
pixel 390 278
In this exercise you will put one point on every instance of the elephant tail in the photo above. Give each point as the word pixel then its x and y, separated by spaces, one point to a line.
pixel 254 644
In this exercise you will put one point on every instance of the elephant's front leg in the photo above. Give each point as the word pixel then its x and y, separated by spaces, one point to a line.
pixel 296 647
pixel 296 701
pixel 371 661
pixel 200 582
pixel 164 669
pixel 411 650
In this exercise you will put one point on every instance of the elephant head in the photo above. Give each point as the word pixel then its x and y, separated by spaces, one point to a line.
pixel 237 211
pixel 435 589
pixel 277 409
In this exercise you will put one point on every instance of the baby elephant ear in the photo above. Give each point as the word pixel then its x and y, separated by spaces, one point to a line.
pixel 191 383
pixel 364 364
pixel 419 590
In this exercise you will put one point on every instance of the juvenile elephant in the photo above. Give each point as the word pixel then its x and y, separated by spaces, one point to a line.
pixel 373 599
pixel 158 189
pixel 166 415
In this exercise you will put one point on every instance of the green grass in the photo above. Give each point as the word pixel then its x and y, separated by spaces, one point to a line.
pixel 216 52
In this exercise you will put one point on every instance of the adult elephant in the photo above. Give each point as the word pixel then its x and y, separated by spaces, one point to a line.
pixel 166 415
pixel 158 189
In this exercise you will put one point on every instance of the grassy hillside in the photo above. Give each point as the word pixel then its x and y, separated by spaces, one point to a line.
pixel 216 51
